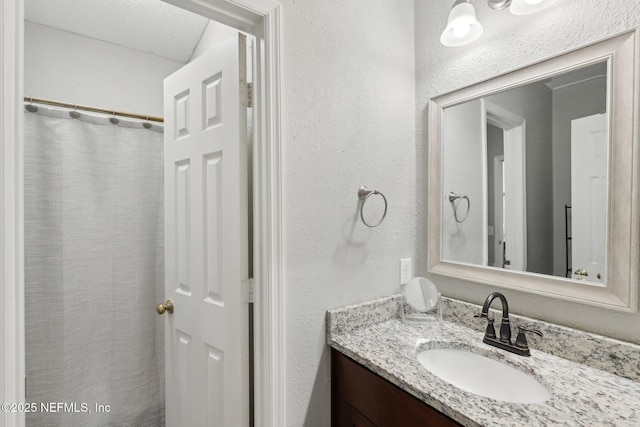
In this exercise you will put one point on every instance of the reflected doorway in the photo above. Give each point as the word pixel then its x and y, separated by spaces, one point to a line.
pixel 505 142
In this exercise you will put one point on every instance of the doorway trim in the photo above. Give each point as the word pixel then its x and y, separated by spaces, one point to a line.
pixel 261 18
pixel 498 177
pixel 514 128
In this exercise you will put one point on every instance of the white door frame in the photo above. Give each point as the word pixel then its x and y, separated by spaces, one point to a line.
pixel 514 128
pixel 498 202
pixel 261 18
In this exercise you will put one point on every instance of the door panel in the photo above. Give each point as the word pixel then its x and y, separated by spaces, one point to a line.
pixel 206 241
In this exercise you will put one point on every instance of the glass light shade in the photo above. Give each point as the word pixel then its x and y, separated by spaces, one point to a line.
pixel 462 26
pixel 526 7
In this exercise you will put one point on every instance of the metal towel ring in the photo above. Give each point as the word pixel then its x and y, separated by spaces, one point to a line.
pixel 455 202
pixel 363 194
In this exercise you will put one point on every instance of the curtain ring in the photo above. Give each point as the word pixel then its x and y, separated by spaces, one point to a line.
pixel 455 202
pixel 30 107
pixel 364 193
pixel 75 113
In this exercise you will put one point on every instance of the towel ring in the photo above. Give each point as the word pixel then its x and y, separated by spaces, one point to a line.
pixel 364 193
pixel 455 202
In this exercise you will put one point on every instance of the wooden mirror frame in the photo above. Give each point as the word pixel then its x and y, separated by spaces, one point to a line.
pixel 622 241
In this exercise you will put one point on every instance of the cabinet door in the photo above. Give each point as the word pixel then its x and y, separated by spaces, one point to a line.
pixel 351 418
pixel 359 397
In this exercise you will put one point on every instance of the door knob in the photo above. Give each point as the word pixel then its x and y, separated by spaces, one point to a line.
pixel 167 306
pixel 581 272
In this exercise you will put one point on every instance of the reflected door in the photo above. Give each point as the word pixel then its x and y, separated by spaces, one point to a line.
pixel 206 242
pixel 588 197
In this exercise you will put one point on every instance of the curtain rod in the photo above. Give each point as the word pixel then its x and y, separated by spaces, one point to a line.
pixel 93 109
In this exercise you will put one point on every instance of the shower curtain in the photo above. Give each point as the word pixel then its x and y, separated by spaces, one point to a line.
pixel 94 270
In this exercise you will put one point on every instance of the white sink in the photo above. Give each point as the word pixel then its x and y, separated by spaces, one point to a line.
pixel 483 376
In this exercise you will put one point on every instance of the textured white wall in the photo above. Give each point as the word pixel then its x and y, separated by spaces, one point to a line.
pixel 511 42
pixel 71 68
pixel 348 120
pixel 464 163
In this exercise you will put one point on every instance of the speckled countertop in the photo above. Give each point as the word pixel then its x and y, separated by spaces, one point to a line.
pixel 373 335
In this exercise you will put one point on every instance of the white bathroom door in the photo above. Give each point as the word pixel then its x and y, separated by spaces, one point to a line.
pixel 588 196
pixel 206 241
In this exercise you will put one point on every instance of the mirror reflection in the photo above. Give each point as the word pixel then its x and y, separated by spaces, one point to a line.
pixel 525 177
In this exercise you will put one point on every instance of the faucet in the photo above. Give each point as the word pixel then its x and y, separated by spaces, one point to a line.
pixel 505 328
pixel 521 346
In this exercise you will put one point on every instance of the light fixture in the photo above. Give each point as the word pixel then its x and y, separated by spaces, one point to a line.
pixel 462 25
pixel 525 7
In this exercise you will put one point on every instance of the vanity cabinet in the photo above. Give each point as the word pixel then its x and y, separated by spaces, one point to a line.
pixel 360 398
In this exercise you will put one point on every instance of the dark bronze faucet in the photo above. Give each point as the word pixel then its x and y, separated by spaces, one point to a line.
pixel 504 342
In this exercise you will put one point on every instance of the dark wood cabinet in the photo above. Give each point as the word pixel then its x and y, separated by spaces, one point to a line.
pixel 360 398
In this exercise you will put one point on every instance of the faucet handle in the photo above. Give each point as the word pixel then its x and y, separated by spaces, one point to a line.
pixel 521 339
pixel 490 332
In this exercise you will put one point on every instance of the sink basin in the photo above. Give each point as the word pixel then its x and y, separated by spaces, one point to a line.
pixel 484 376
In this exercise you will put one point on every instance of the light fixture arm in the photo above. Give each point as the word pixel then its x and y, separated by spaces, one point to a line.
pixel 499 4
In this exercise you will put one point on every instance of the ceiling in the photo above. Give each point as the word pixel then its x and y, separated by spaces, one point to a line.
pixel 145 25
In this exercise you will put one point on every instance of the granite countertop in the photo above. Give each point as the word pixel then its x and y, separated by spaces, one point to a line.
pixel 373 335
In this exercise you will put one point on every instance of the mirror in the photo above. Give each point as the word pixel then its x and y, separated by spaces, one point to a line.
pixel 421 294
pixel 422 301
pixel 532 178
pixel 533 160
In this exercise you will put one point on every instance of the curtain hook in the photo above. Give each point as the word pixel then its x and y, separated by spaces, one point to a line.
pixel 113 119
pixel 30 107
pixel 74 113
pixel 146 124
